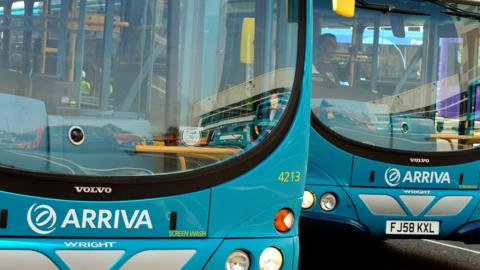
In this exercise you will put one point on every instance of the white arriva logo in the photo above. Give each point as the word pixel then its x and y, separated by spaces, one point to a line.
pixel 42 219
pixel 393 177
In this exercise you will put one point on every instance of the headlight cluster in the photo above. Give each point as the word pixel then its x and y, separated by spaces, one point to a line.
pixel 308 199
pixel 238 260
pixel 328 202
pixel 270 259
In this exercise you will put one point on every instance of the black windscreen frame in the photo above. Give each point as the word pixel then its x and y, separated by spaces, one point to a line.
pixel 393 156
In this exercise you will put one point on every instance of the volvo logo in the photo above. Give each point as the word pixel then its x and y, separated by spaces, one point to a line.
pixel 42 219
pixel 393 177
pixel 420 160
pixel 94 190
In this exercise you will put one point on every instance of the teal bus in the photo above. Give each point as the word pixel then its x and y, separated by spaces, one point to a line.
pixel 105 162
pixel 394 149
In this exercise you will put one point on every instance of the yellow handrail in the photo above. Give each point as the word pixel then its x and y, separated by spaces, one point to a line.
pixel 181 150
pixel 213 153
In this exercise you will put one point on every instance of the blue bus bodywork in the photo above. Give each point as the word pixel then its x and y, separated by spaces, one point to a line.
pixel 399 157
pixel 96 202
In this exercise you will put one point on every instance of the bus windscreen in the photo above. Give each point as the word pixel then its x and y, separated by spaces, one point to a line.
pixel 399 78
pixel 141 87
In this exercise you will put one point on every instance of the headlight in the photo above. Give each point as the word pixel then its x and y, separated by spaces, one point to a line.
pixel 238 260
pixel 328 202
pixel 308 199
pixel 271 259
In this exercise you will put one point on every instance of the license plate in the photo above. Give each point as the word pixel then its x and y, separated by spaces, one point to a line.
pixel 402 227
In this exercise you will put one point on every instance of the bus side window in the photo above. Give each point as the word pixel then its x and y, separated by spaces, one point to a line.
pixel 18 8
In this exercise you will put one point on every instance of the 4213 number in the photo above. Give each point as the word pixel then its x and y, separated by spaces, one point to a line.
pixel 290 177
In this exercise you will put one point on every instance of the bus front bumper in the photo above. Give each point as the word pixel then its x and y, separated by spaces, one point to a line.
pixel 468 233
pixel 457 212
pixel 331 225
pixel 133 254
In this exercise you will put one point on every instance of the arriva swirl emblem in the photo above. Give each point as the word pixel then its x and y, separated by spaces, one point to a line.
pixel 393 177
pixel 42 219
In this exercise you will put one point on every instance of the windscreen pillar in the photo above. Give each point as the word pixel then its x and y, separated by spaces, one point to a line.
pixel 376 42
pixel 107 55
pixel 264 28
pixel 173 52
pixel 62 37
pixel 27 39
pixel 6 37
pixel 79 51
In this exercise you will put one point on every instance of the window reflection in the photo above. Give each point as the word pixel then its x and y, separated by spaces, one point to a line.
pixel 404 80
pixel 157 86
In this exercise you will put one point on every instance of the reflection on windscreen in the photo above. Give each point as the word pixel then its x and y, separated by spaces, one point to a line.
pixel 404 81
pixel 157 86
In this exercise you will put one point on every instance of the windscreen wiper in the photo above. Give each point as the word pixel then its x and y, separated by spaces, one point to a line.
pixel 7 166
pixel 463 14
pixel 385 8
pixel 454 11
